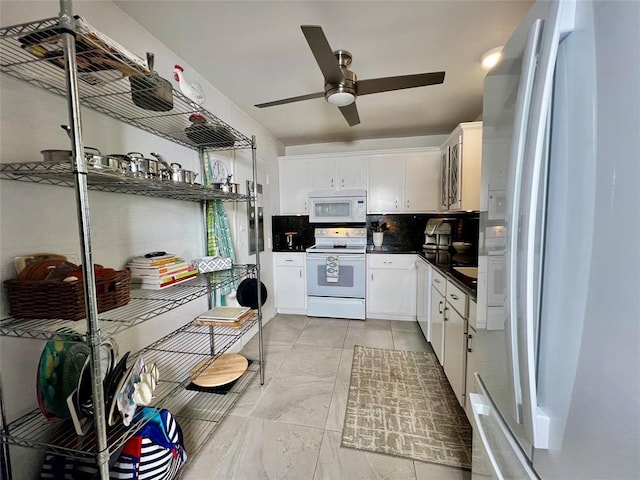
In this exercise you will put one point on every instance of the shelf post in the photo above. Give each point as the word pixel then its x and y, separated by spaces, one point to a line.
pixel 68 33
pixel 257 234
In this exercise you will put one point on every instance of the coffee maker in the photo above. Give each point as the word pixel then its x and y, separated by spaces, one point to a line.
pixel 289 241
pixel 437 234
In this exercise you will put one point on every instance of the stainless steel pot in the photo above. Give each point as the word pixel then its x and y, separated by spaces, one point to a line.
pixel 127 164
pixel 144 167
pixel 176 173
pixel 56 155
pixel 226 187
pixel 109 162
pixel 190 177
pixel 92 157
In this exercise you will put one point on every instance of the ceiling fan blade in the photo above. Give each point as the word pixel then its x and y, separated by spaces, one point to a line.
pixel 387 84
pixel 350 113
pixel 291 100
pixel 323 53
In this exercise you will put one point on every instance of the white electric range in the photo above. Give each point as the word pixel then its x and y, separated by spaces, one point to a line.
pixel 336 273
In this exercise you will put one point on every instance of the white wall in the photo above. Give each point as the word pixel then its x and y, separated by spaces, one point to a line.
pixel 41 218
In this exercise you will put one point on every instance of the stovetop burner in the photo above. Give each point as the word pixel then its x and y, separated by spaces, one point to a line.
pixel 337 249
pixel 340 240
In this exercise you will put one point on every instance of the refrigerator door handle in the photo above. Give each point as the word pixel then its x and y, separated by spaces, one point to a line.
pixel 508 462
pixel 525 92
pixel 479 407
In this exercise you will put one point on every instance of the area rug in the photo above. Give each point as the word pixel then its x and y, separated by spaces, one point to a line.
pixel 400 403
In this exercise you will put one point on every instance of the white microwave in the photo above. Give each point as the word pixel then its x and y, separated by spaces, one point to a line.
pixel 344 206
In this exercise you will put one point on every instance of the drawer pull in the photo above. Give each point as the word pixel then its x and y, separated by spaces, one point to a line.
pixel 455 297
pixel 288 260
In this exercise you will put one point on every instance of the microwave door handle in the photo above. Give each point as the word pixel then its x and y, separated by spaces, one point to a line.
pixel 525 90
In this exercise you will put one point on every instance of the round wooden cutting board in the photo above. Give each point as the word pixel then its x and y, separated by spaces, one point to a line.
pixel 224 369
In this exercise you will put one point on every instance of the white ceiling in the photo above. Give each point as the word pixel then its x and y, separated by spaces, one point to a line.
pixel 255 52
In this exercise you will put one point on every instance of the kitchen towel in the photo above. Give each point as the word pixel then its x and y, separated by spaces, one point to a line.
pixel 333 269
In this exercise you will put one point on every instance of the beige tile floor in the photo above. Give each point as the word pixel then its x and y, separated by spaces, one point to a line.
pixel 291 427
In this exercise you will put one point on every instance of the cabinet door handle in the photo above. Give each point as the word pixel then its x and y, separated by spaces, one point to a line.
pixel 332 183
pixel 396 204
pixel 469 349
pixel 300 273
pixel 305 206
pixel 455 297
pixel 439 309
pixel 407 203
pixel 342 182
pixel 372 276
pixel 445 314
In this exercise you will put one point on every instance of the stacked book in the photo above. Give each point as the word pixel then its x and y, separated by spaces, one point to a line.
pixel 160 271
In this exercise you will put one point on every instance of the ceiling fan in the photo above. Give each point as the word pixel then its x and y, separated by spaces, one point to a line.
pixel 340 85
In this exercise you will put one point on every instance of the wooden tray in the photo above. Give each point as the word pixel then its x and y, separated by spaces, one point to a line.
pixel 224 369
pixel 221 323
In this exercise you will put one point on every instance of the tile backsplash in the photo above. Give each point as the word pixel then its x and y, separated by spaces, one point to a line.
pixel 405 230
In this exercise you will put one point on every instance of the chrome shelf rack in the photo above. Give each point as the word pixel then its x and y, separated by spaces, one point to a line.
pixel 105 90
pixel 143 306
pixel 61 174
pixel 66 56
pixel 174 355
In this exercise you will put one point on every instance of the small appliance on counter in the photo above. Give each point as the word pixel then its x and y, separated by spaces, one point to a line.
pixel 437 234
pixel 289 241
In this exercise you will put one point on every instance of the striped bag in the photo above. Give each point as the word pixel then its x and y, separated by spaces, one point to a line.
pixel 156 453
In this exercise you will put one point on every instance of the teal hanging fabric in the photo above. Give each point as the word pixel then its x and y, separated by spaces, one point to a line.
pixel 218 234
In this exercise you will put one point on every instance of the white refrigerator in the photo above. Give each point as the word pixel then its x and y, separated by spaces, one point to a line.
pixel 557 378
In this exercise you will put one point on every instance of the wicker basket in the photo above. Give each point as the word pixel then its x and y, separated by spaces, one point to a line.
pixel 56 299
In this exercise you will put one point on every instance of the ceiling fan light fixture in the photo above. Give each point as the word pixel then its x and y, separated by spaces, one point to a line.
pixel 341 99
pixel 490 58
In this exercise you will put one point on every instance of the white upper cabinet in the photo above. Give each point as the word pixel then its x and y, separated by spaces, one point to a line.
pixel 294 186
pixel 386 183
pixel 460 168
pixel 398 181
pixel 337 173
pixel 404 182
pixel 421 191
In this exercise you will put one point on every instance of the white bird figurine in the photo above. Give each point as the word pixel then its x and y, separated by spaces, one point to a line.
pixel 192 91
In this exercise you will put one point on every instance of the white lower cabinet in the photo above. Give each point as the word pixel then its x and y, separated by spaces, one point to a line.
pixel 449 308
pixel 455 343
pixel 438 292
pixel 455 339
pixel 423 300
pixel 470 386
pixel 391 286
pixel 290 282
pixel 437 323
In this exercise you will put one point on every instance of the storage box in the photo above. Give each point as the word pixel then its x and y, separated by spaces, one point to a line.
pixel 65 300
pixel 212 264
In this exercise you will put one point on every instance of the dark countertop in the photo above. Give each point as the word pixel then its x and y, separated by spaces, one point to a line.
pixel 289 250
pixel 444 261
